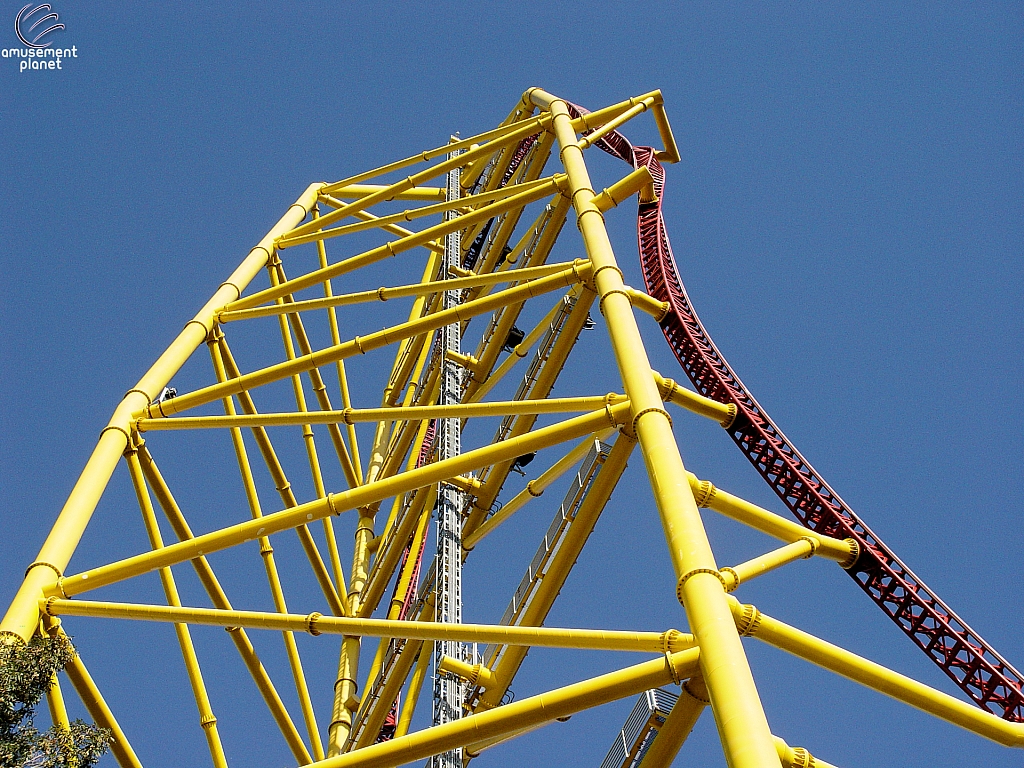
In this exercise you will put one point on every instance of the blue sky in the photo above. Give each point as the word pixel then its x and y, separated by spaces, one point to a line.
pixel 846 217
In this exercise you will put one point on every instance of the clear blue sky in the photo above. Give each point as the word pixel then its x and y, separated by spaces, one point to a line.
pixel 847 218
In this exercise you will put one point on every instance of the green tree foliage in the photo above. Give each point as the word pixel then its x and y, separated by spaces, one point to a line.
pixel 25 675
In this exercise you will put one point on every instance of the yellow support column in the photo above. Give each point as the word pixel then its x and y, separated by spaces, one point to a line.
pixel 746 737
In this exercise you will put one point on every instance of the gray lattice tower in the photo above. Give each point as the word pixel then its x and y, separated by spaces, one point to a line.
pixel 448 689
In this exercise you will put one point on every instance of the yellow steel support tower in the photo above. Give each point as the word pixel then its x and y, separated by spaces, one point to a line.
pixel 465 235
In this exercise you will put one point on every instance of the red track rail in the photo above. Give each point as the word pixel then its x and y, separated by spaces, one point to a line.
pixel 959 651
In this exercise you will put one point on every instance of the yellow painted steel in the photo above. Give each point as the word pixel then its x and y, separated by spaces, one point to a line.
pixel 364 415
pixel 758 566
pixel 797 757
pixel 354 191
pixel 224 364
pixel 207 719
pixel 55 703
pixel 843 551
pixel 510 216
pixel 741 722
pixel 315 624
pixel 402 291
pixel 518 715
pixel 693 698
pixel 22 615
pixel 362 344
pixel 900 687
pixel 558 569
pixel 218 597
pixel 487 381
pixel 534 489
pixel 549 186
pixel 94 702
pixel 346 399
pixel 415 686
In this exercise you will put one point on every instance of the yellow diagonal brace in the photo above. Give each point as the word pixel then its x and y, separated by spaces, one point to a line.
pixel 354 191
pixel 471 202
pixel 670 641
pixel 389 249
pixel 363 344
pixel 400 413
pixel 520 715
pixel 507 134
pixel 336 503
pixel 401 291
pixel 21 617
pixel 900 687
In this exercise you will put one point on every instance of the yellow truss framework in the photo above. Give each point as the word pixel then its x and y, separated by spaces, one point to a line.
pixel 510 272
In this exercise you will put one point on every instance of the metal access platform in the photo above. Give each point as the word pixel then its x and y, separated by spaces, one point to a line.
pixel 632 742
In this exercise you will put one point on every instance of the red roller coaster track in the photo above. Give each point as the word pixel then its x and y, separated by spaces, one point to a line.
pixel 984 675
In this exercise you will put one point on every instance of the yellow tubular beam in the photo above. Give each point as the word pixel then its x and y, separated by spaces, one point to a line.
pixel 490 140
pixel 387 558
pixel 405 576
pixel 536 160
pixel 677 727
pixel 471 172
pixel 746 738
pixel 419 674
pixel 797 757
pixel 224 365
pixel 374 713
pixel 267 553
pixel 324 401
pixel 599 117
pixel 394 229
pixel 534 488
pixel 217 596
pixel 592 138
pixel 560 565
pixel 364 344
pixel 401 291
pixel 413 352
pixel 474 750
pixel 463 203
pixel 95 704
pixel 355 191
pixel 379 710
pixel 671 392
pixel 363 415
pixel 751 569
pixel 646 303
pixel 21 618
pixel 207 719
pixel 489 353
pixel 843 551
pixel 523 714
pixel 346 401
pixel 317 624
pixel 392 248
pixel 345 696
pixel 319 388
pixel 831 657
pixel 521 350
pixel 542 387
pixel 407 183
pixel 55 703
pixel 624 189
pixel 474 674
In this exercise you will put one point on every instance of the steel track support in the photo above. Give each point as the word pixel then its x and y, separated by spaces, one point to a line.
pixel 742 725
